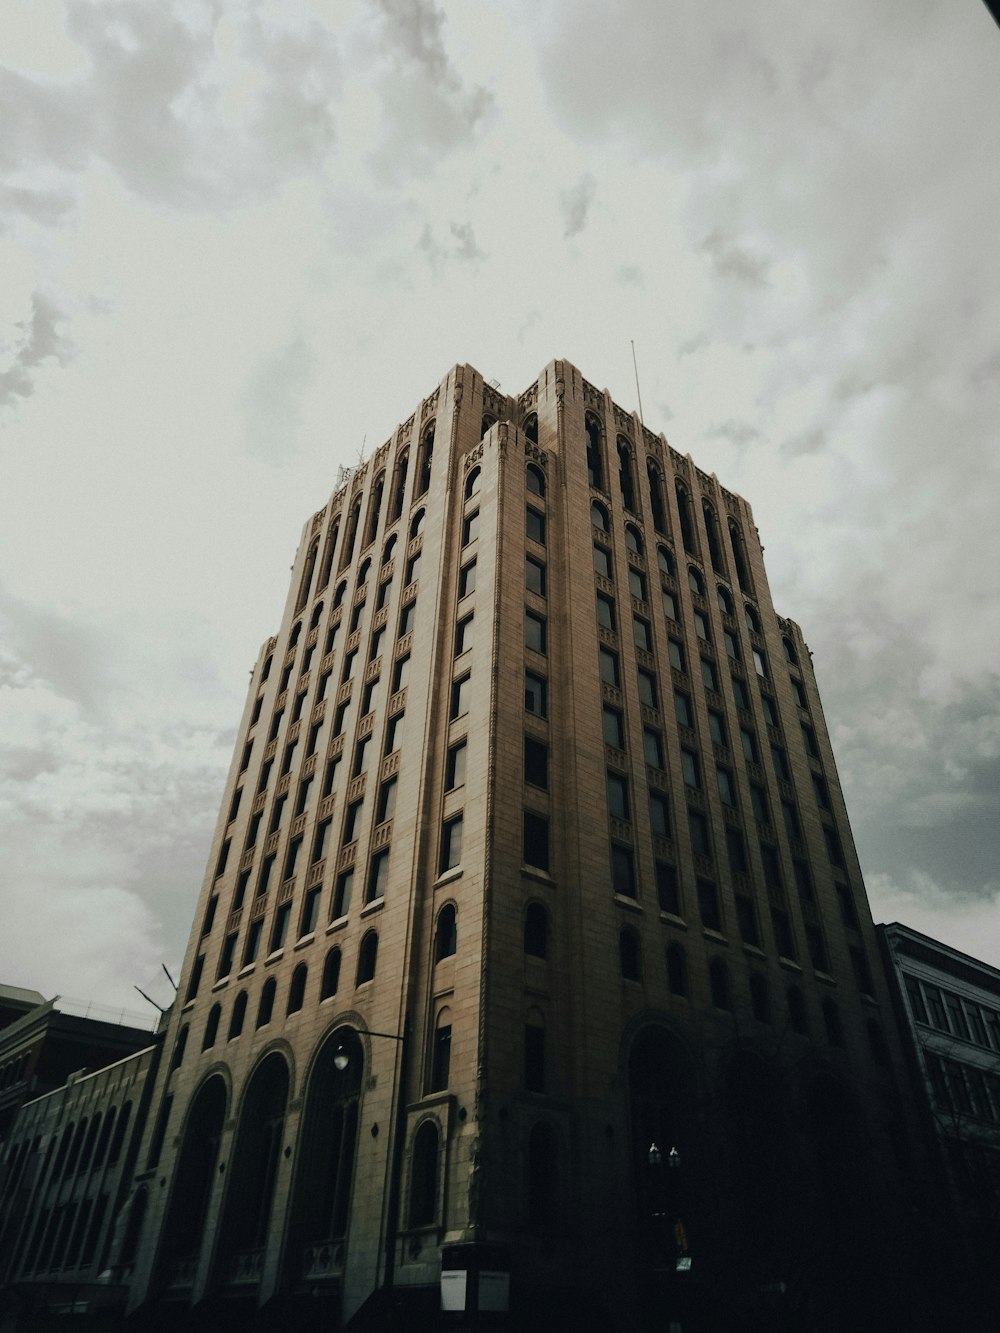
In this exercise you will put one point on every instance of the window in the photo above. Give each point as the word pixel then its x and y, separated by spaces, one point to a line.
pixel 252 946
pixel 790 654
pixel 470 527
pixel 647 689
pixel 637 584
pixel 226 956
pixel 732 647
pixel 797 1011
pixel 331 975
pixel 770 712
pixel 211 1029
pixel 238 1016
pixel 740 694
pixel 799 690
pixel 351 820
pixel 536 840
pixel 467 580
pixel 400 673
pixel 668 893
pixel 717 727
pixel 669 605
pixel 474 480
pixel 718 979
pixel 633 538
pixel 451 845
pixel 599 516
pixel 310 911
pixel 463 636
pixel 623 871
pixel 536 763
pixel 534 575
pixel 708 905
pixel 746 919
pixel 407 619
pixel 760 665
pixel 266 1006
pixel 642 634
pixel 292 857
pixel 659 815
pixel 700 843
pixel 614 729
pixel 455 767
pixel 652 747
pixel 392 731
pixel 342 894
pixel 831 1021
pixel 682 709
pixel 749 743
pixel 695 582
pixel 708 677
pixel 297 989
pixel 772 865
pixel 592 426
pixel 382 599
pixel 606 611
pixel 629 954
pixel 690 769
pixel 618 803
pixel 534 525
pixel 534 631
pixel 446 935
pixel 727 789
pixel 280 931
pixel 809 741
pixel 441 1053
pixel 534 1057
pixel 760 1001
pixel 701 626
pixel 536 931
pixel 412 569
pixel 536 699
pixel 367 958
pixel 758 803
pixel 424 1170
pixel 822 795
pixel 676 654
pixel 736 850
pixel 780 763
pixel 602 561
pixel 791 817
pixel 460 691
pixel 676 970
pixel 752 619
pixel 534 481
pixel 724 600
pixel 609 667
pixel 378 876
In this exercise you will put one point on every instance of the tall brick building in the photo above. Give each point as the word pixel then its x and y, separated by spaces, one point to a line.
pixel 534 776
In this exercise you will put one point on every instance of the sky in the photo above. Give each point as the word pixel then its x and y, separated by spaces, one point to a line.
pixel 240 241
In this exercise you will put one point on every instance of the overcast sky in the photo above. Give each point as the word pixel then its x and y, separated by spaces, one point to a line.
pixel 240 241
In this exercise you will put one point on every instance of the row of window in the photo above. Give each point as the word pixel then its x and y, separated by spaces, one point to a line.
pixel 954 1014
pixel 964 1090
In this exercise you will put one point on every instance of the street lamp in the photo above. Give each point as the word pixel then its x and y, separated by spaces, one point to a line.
pixel 342 1057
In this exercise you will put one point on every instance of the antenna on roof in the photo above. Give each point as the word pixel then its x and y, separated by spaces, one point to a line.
pixel 169 977
pixel 152 1002
pixel 636 369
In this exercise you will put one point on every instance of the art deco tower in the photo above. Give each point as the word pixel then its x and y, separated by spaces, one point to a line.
pixel 534 776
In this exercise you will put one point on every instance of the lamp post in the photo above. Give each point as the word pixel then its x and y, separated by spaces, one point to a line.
pixel 341 1059
pixel 670 1247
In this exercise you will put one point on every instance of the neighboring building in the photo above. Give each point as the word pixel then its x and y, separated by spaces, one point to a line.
pixel 15 1002
pixel 533 774
pixel 949 1008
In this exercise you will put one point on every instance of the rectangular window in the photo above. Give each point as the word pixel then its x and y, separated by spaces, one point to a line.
pixel 340 718
pixel 682 709
pixel 863 977
pixel 659 815
pixel 386 801
pixel 241 890
pixel 759 664
pixel 245 760
pixel 618 805
pixel 265 876
pixel 451 845
pixel 463 636
pixel 534 1057
pixel 536 698
pixel 314 731
pixel 822 795
pixel 916 999
pixel 400 673
pixel 609 667
pixel 732 647
pixel 605 611
pixel 701 626
pixel 700 842
pixel 772 866
pixel 749 743
pixel 791 818
pixel 623 871
pixel 690 770
pixel 302 800
pixel 441 1059
pixel 320 840
pixel 300 700
pixel 277 813
pixel 717 727
pixel 708 905
pixel 647 689
pixel 675 652
pixel 470 528
pixel 799 690
pixel 349 664
pixel 652 747
pixel 351 820
pixel 614 729
pixel 356 615
pixel 536 763
pixel 460 691
pixel 534 632
pixel 669 605
pixel 783 938
pixel 368 697
pixel 407 619
pixel 758 803
pixel 833 847
pixel 220 864
pixel 637 584
pixel 708 677
pixel 770 712
pixel 602 561
pixel 252 947
pixel 668 894
pixel 310 911
pixel 737 851
pixel 383 595
pixel 467 580
pixel 286 763
pixel 227 955
pixel 280 931
pixel 746 919
pixel 642 635
pixel 265 774
pixel 412 569
pixel 392 731
pixel 342 894
pixel 534 575
pixel 455 767
pixel 378 876
pixel 809 741
pixel 292 858
pixel 360 756
pixel 780 763
pixel 536 840
pixel 534 525
pixel 727 788
pixel 330 776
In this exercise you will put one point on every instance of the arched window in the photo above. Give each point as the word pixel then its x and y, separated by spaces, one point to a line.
pixel 831 1020
pixel 752 619
pixel 254 1159
pixel 695 582
pixel 633 538
pixel 684 514
pixel 446 938
pixel 367 958
pixel 713 534
pixel 389 549
pixel 790 653
pixel 327 566
pixel 118 1139
pixel 724 600
pixel 797 1011
pixel 629 954
pixel 399 486
pixel 760 1001
pixel 595 472
pixel 425 459
pixel 543 1177
pixel 534 479
pixel 625 478
pixel 179 1047
pixel 599 516
pixel 353 519
pixel 338 596
pixel 440 1070
pixel 655 482
pixel 676 970
pixel 266 1006
pixel 529 427
pixel 316 616
pixel 424 1176
pixel 665 561
pixel 331 974
pixel 293 638
pixel 297 990
pixel 472 482
pixel 739 556
pixel 238 1015
pixel 195 1176
pixel 95 1125
pixel 265 670
pixel 211 1027
pixel 307 575
pixel 364 569
pixel 718 979
pixel 417 523
pixel 374 508
pixel 486 423
pixel 74 1152
pixel 103 1141
pixel 536 931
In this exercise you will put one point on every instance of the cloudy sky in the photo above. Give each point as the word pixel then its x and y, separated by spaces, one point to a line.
pixel 240 240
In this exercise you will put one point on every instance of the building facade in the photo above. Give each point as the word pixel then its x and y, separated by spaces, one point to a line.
pixel 532 865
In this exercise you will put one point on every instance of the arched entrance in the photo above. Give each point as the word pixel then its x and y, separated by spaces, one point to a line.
pixel 194 1176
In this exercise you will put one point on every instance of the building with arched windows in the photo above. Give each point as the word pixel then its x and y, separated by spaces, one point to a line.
pixel 533 963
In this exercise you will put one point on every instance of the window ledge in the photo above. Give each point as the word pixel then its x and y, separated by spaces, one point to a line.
pixel 245 971
pixel 275 957
pixel 449 875
pixel 305 940
pixel 793 966
pixel 629 903
pixel 533 872
pixel 339 924
pixel 375 906
pixel 755 951
pixel 716 936
pixel 676 921
pixel 222 983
